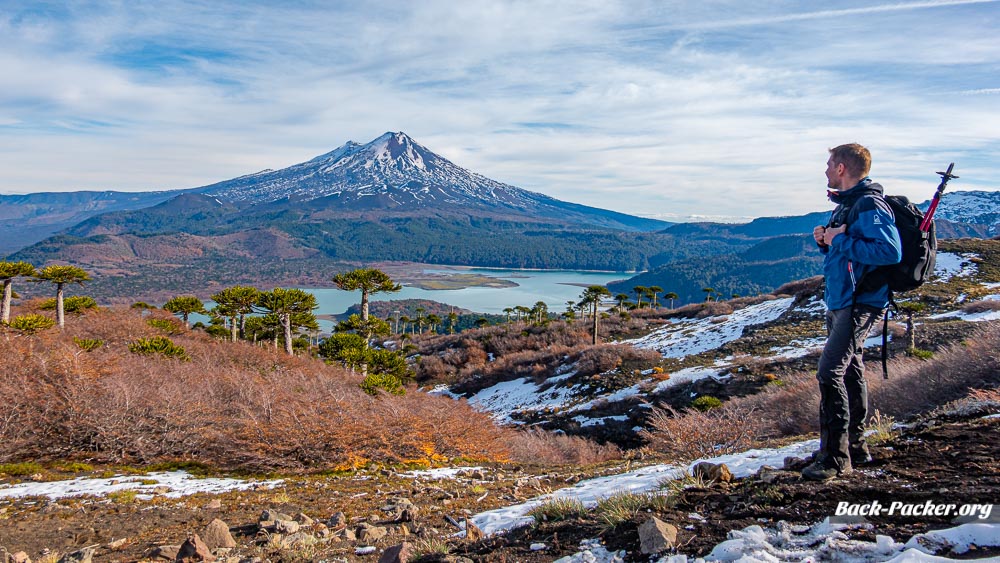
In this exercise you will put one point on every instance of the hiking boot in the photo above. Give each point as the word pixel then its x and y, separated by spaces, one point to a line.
pixel 860 456
pixel 819 471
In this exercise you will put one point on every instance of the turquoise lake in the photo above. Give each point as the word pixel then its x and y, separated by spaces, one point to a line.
pixel 553 287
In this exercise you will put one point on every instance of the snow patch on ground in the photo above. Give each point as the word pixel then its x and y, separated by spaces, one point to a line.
pixel 179 483
pixel 641 480
pixel 948 265
pixel 440 473
pixel 694 336
pixel 507 397
pixel 688 375
pixel 798 348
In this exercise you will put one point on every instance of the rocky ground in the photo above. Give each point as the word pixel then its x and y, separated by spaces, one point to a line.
pixel 945 460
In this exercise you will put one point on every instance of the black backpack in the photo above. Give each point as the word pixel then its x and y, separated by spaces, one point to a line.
pixel 919 252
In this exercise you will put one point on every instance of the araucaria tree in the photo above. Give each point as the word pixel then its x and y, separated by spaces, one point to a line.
pixel 592 296
pixel 236 303
pixel 9 271
pixel 286 304
pixel 60 276
pixel 368 280
pixel 185 305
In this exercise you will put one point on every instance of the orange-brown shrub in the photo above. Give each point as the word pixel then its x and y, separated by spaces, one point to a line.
pixel 914 386
pixel 714 309
pixel 233 406
pixel 539 446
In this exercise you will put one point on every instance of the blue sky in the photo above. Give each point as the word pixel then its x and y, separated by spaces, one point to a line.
pixel 659 108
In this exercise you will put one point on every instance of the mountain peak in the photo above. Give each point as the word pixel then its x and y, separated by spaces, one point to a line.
pixel 394 173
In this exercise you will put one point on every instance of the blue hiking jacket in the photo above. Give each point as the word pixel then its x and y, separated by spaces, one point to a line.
pixel 871 240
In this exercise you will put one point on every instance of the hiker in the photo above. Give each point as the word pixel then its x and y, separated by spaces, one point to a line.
pixel 861 235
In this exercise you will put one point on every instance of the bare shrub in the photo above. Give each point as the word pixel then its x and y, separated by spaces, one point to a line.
pixel 234 405
pixel 984 306
pixel 800 288
pixel 744 302
pixel 688 311
pixel 538 446
pixel 599 359
pixel 714 309
pixel 689 435
pixel 914 386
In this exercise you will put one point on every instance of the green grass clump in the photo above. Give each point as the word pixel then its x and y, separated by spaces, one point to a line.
pixel 557 509
pixel 72 467
pixel 74 304
pixel 168 326
pixel 384 381
pixel 706 403
pixel 126 496
pixel 20 469
pixel 920 353
pixel 88 344
pixel 31 323
pixel 879 429
pixel 158 345
pixel 622 507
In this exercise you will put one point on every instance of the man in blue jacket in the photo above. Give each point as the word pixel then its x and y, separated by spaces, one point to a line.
pixel 861 236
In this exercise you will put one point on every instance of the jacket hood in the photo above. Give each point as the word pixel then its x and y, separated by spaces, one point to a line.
pixel 865 187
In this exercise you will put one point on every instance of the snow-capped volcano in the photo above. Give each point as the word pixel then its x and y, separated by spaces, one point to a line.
pixel 395 175
pixel 391 171
pixel 973 207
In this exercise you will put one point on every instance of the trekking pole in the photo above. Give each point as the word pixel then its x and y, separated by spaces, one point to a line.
pixel 925 225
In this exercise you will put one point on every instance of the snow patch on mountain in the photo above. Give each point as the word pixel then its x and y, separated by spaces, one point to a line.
pixel 393 165
pixel 976 207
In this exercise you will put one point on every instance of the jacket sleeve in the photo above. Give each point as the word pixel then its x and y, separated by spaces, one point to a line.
pixel 871 237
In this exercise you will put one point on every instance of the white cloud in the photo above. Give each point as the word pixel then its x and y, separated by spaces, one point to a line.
pixel 715 109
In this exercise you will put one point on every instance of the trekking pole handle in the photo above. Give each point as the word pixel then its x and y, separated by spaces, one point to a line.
pixel 925 225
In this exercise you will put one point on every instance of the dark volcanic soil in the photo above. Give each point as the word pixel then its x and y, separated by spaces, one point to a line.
pixel 946 461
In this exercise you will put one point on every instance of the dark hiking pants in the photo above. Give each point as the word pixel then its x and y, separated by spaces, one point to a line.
pixel 843 392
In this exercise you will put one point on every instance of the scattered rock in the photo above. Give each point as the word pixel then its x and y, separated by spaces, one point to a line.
pixel 214 504
pixel 117 544
pixel 656 536
pixel 367 533
pixel 286 526
pixel 217 535
pixel 793 463
pixel 304 520
pixel 405 511
pixel 336 521
pixel 349 535
pixel 472 532
pixel 273 515
pixel 193 549
pixel 85 555
pixel 297 540
pixel 712 472
pixel 401 553
pixel 768 474
pixel 164 552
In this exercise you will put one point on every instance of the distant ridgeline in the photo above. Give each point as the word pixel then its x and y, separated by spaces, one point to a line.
pixel 394 200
